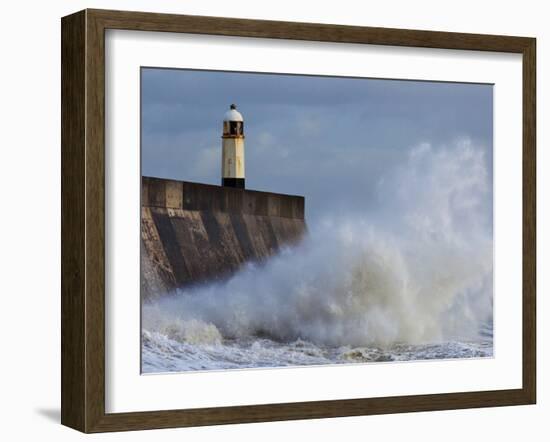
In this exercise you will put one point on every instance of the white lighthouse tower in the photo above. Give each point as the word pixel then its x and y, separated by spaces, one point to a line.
pixel 233 149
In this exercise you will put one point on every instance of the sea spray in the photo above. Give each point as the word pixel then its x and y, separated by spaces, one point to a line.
pixel 416 273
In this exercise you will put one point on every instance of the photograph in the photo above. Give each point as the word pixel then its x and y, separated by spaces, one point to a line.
pixel 303 220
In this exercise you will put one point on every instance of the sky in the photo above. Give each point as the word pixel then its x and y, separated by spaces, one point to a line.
pixel 330 139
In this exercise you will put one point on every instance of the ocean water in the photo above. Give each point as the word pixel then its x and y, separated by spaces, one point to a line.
pixel 162 354
pixel 412 280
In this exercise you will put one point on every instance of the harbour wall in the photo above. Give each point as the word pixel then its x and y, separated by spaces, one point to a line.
pixel 192 233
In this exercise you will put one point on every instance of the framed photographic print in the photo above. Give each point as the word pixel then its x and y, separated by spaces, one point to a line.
pixel 270 220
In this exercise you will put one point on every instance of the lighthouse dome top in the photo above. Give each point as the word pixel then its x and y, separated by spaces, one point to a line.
pixel 233 114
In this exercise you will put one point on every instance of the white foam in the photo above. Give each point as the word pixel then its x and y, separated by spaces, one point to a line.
pixel 417 272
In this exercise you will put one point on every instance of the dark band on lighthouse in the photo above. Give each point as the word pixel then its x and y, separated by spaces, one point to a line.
pixel 233 149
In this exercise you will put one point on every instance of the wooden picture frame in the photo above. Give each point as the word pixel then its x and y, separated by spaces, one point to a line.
pixel 83 220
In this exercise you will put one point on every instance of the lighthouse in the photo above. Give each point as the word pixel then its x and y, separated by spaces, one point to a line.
pixel 233 149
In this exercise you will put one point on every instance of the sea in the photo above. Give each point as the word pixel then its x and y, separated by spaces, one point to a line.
pixel 411 279
pixel 161 354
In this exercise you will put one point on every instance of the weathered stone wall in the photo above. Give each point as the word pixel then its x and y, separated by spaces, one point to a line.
pixel 192 233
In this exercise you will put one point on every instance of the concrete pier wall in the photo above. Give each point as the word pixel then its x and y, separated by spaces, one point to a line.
pixel 192 233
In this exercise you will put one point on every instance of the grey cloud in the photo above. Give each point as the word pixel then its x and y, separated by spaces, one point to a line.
pixel 327 138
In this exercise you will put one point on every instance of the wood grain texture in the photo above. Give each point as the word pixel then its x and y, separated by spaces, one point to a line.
pixel 83 218
pixel 73 349
pixel 146 21
pixel 95 222
pixel 529 221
